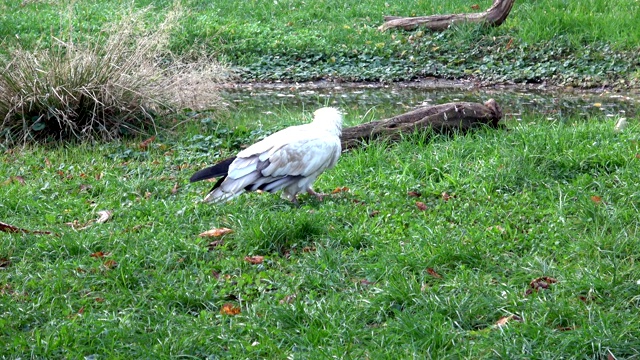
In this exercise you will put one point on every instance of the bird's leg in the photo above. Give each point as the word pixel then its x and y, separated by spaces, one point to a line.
pixel 317 195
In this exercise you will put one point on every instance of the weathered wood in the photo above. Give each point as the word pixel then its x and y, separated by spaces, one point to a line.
pixel 443 118
pixel 494 16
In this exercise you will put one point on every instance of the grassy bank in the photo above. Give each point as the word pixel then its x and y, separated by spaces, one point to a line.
pixel 367 273
pixel 581 43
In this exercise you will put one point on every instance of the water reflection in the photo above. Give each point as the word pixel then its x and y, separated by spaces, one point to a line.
pixel 380 101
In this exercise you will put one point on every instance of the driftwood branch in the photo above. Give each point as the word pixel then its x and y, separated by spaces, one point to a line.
pixel 443 118
pixel 494 16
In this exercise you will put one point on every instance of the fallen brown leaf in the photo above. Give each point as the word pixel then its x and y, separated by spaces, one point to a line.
pixel 175 188
pixel 256 259
pixel 104 216
pixel 47 162
pixel 374 213
pixel 506 319
pixel 110 264
pixel 586 298
pixel 433 273
pixel 475 6
pixel 446 197
pixel 421 206
pixel 19 179
pixel 216 232
pixel 99 254
pixel 229 309
pixel 14 229
pixel 308 249
pixel 340 189
pixel 414 194
pixel 145 144
pixel 540 283
pixel 596 199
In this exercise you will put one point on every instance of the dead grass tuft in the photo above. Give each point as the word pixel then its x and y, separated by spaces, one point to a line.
pixel 113 85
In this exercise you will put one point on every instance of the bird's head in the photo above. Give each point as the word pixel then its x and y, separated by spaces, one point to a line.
pixel 330 118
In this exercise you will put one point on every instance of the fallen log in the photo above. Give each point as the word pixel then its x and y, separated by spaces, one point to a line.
pixel 442 119
pixel 494 16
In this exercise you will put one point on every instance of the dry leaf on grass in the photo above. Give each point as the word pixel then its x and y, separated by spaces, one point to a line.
pixel 506 319
pixel 215 232
pixel 145 144
pixel 99 254
pixel 340 189
pixel 421 206
pixel 110 264
pixel 255 260
pixel 229 309
pixel 433 273
pixel 14 229
pixel 542 282
pixel 414 194
pixel 104 216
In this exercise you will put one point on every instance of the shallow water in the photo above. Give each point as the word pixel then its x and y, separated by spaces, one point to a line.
pixel 380 101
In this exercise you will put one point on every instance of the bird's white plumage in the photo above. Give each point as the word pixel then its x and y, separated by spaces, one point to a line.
pixel 290 159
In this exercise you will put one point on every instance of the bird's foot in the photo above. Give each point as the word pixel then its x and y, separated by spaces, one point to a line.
pixel 318 196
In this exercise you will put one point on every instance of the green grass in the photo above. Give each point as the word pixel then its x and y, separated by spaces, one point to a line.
pixel 580 43
pixel 522 207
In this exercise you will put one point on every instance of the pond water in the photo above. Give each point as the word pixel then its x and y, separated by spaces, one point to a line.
pixel 380 101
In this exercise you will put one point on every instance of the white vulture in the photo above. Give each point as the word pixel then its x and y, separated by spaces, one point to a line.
pixel 289 160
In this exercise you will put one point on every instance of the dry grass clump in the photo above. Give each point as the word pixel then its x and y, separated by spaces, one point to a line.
pixel 112 85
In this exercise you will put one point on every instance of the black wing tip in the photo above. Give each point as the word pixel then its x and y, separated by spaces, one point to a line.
pixel 219 169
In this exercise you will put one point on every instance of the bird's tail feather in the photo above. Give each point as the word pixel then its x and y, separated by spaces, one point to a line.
pixel 231 188
pixel 219 169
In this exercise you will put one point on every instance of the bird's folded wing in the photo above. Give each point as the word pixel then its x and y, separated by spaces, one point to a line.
pixel 301 157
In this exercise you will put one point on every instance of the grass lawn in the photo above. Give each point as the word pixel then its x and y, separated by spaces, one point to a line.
pixel 368 273
pixel 515 244
pixel 580 43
